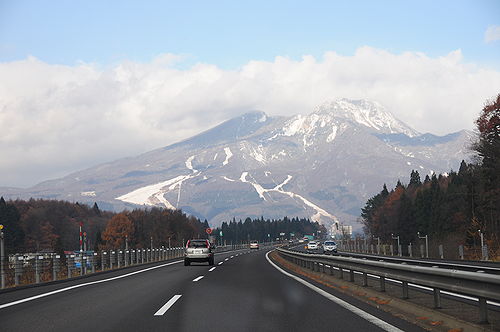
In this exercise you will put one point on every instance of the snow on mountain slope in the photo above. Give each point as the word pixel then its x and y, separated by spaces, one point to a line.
pixel 324 166
pixel 368 113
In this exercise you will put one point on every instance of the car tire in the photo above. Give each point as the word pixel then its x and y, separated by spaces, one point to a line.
pixel 187 262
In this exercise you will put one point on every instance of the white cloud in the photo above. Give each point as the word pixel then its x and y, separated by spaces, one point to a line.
pixel 492 34
pixel 55 119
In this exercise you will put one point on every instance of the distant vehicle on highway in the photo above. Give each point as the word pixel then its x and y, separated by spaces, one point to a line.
pixel 254 245
pixel 301 240
pixel 312 246
pixel 329 247
pixel 198 250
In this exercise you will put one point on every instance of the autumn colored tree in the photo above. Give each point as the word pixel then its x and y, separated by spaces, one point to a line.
pixel 117 229
pixel 488 147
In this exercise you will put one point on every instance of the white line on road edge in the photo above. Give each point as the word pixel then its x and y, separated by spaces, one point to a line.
pixel 212 269
pixel 82 285
pixel 372 319
pixel 167 305
pixel 198 279
pixel 220 263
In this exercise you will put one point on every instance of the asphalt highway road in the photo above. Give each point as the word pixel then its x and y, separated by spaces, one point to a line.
pixel 242 292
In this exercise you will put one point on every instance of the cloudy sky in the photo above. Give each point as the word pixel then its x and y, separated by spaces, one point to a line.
pixel 86 82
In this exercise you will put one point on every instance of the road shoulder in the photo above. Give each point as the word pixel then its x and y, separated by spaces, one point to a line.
pixel 426 318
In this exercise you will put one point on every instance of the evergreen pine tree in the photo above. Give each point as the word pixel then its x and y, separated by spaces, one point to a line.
pixel 13 232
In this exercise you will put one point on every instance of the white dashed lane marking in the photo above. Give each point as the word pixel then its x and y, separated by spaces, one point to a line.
pixel 167 305
pixel 198 279
pixel 211 269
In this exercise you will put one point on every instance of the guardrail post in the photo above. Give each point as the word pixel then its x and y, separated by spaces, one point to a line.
pixel 126 257
pixel 94 261
pixel 37 269
pixel 365 279
pixel 392 250
pixel 18 269
pixel 422 251
pixel 382 284
pixel 410 253
pixel 483 311
pixel 81 263
pixel 84 265
pixel 405 289
pixel 441 251
pixel 484 253
pixel 437 298
pixel 400 250
pixel 461 251
pixel 351 275
pixel 341 273
pixel 111 259
pixel 55 266
pixel 71 265
pixel 120 257
pixel 103 258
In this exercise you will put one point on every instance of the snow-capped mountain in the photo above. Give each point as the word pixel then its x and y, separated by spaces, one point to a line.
pixel 324 165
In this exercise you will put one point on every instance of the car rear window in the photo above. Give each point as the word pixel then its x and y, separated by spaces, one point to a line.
pixel 197 244
pixel 329 243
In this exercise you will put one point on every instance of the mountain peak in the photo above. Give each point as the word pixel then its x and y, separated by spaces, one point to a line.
pixel 365 112
pixel 228 131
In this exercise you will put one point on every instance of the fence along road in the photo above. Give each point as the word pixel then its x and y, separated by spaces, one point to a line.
pixel 477 284
pixel 243 292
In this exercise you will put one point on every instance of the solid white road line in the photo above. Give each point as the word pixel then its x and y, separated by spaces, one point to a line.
pixel 198 279
pixel 212 269
pixel 167 305
pixel 5 305
pixel 369 317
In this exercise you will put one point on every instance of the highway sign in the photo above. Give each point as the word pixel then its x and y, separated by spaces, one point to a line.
pixel 208 231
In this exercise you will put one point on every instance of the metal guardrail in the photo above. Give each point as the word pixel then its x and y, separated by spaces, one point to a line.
pixel 38 268
pixel 476 284
pixel 456 265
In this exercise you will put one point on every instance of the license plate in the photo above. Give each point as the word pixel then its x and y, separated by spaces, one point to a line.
pixel 198 251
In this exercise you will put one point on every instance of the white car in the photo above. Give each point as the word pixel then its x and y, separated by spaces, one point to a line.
pixel 329 247
pixel 312 246
pixel 254 245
